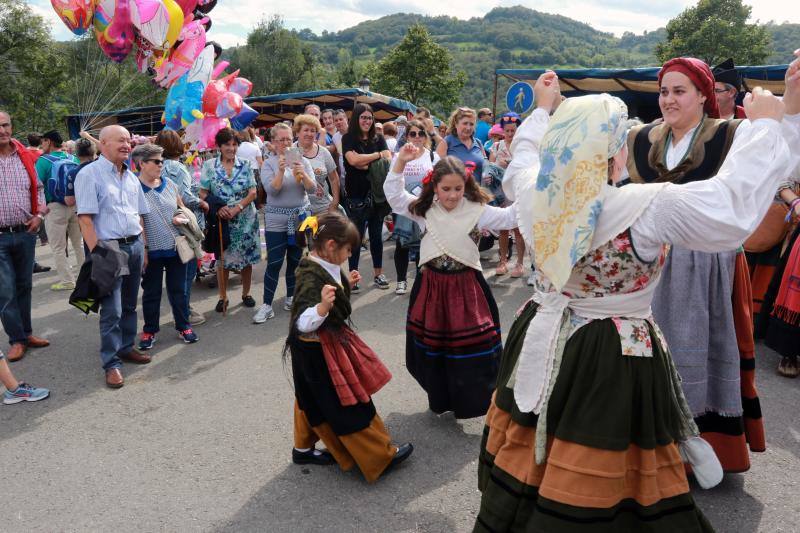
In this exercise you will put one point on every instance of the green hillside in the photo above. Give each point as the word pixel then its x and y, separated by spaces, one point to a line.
pixel 513 37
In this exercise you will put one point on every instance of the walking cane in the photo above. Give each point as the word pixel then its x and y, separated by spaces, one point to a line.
pixel 222 282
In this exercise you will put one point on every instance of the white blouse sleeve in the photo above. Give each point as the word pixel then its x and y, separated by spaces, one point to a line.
pixel 718 214
pixel 399 198
pixel 525 151
pixel 309 320
pixel 498 218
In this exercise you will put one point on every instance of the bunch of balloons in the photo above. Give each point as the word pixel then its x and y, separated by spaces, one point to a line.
pixel 170 39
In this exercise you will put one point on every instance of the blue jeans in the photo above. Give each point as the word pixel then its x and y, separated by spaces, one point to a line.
pixel 374 224
pixel 118 310
pixel 17 252
pixel 277 247
pixel 152 281
pixel 191 273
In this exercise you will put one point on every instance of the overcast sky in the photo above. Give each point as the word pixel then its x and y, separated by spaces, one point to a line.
pixel 233 19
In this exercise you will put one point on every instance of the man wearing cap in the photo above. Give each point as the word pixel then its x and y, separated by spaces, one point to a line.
pixel 22 211
pixel 727 86
pixel 61 219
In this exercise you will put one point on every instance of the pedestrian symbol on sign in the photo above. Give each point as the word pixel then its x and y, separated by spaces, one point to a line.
pixel 519 97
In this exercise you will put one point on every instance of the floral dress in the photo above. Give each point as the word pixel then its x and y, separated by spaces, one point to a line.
pixel 244 249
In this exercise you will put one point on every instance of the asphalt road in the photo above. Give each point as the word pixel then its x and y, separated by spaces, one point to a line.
pixel 200 439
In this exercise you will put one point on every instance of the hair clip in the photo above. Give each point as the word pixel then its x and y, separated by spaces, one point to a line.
pixel 310 223
pixel 469 168
pixel 428 177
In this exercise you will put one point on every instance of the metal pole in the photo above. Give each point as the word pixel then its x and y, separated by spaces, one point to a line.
pixel 494 98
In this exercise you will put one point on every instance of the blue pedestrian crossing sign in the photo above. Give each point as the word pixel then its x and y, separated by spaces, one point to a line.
pixel 519 97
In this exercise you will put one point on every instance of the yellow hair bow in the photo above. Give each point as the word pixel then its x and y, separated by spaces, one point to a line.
pixel 310 223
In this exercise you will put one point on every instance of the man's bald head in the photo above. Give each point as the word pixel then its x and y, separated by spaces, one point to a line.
pixel 115 144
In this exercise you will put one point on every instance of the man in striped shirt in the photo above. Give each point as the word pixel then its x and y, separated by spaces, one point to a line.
pixel 22 210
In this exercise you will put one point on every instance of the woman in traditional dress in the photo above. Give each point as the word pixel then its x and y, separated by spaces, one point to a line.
pixel 329 404
pixel 779 319
pixel 704 303
pixel 588 426
pixel 453 341
pixel 230 180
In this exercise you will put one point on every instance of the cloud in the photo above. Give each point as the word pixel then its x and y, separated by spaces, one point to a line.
pixel 233 19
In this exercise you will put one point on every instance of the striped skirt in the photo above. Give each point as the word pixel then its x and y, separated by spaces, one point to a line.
pixel 613 462
pixel 453 342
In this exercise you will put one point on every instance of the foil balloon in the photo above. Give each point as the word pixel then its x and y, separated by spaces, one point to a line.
pixel 76 14
pixel 158 21
pixel 193 41
pixel 229 105
pixel 215 92
pixel 200 133
pixel 185 97
pixel 245 117
pixel 205 6
pixel 113 28
pixel 241 86
pixel 187 6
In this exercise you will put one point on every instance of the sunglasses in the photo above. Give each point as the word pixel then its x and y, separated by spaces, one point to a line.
pixel 366 118
pixel 414 134
pixel 156 161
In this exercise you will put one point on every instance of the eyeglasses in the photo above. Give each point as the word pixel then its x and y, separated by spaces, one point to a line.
pixel 721 91
pixel 414 134
pixel 362 117
pixel 156 161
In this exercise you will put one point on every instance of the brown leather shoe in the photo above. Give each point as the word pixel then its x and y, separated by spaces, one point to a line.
pixel 114 378
pixel 136 357
pixel 16 352
pixel 37 342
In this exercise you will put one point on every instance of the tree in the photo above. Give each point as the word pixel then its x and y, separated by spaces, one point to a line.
pixel 274 59
pixel 33 70
pixel 713 31
pixel 419 70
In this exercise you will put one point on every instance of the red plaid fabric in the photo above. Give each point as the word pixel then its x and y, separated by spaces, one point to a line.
pixel 15 191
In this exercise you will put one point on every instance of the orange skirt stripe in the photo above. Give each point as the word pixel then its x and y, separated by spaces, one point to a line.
pixel 581 476
pixel 371 448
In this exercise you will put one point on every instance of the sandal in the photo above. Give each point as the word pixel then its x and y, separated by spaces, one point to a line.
pixel 248 301
pixel 222 305
pixel 502 269
pixel 517 271
pixel 788 367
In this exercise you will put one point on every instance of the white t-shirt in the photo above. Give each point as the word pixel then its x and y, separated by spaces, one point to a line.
pixel 415 170
pixel 391 142
pixel 249 152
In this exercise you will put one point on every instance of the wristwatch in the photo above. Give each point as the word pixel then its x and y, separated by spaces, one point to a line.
pixel 41 216
pixel 240 207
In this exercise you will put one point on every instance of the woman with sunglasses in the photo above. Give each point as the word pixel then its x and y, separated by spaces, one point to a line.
pixel 461 142
pixel 160 255
pixel 406 230
pixel 501 156
pixel 361 146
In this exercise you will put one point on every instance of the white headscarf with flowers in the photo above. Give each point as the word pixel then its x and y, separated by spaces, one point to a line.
pixel 583 134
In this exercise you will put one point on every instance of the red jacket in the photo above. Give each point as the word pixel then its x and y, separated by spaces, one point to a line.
pixel 28 162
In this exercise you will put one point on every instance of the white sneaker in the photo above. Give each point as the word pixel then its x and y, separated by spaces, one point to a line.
pixel 402 287
pixel 195 318
pixel 263 314
pixel 288 303
pixel 531 280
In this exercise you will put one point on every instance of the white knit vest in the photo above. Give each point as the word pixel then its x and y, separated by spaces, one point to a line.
pixel 447 232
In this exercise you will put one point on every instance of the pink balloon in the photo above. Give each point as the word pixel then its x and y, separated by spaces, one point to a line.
pixel 219 69
pixel 229 106
pixel 187 6
pixel 242 86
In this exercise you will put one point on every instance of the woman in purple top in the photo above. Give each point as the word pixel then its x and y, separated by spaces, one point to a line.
pixel 461 141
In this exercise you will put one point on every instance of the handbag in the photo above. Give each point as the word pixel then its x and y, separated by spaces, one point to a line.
pixel 184 249
pixel 771 231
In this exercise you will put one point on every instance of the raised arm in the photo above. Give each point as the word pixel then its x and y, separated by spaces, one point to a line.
pixel 718 214
pixel 394 187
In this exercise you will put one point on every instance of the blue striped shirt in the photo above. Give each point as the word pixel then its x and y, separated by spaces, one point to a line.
pixel 116 200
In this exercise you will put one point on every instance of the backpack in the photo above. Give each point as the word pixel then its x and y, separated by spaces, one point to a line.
pixel 59 177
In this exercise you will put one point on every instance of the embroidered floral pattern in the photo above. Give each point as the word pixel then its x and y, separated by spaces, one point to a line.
pixel 615 269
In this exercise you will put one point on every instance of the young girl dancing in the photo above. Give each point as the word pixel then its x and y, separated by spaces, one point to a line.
pixel 334 372
pixel 453 341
